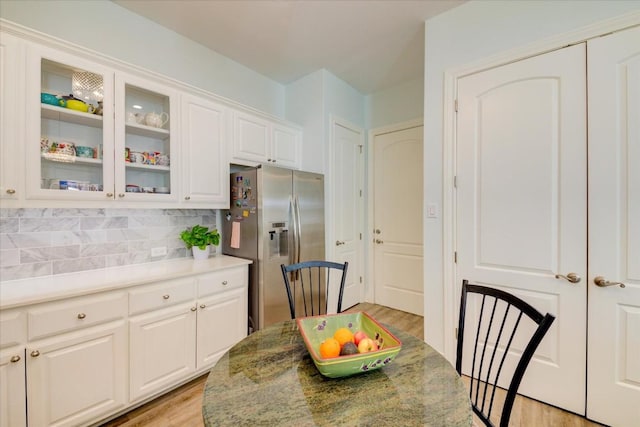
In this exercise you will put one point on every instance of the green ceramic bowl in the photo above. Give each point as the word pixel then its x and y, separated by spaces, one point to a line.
pixel 316 329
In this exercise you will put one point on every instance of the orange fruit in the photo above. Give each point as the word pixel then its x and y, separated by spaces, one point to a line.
pixel 343 335
pixel 330 348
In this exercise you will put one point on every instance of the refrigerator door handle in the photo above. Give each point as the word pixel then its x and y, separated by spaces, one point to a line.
pixel 294 234
pixel 299 231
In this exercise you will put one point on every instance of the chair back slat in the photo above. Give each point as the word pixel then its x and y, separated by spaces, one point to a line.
pixel 499 321
pixel 309 284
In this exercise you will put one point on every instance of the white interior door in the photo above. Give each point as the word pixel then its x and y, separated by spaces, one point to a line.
pixel 613 372
pixel 348 178
pixel 521 203
pixel 398 199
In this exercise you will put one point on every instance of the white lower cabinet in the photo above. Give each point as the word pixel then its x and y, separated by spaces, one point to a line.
pixel 80 360
pixel 78 377
pixel 12 388
pixel 222 322
pixel 162 349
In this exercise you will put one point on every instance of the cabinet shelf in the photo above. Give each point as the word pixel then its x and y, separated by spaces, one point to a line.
pixel 147 131
pixel 71 116
pixel 51 157
pixel 150 168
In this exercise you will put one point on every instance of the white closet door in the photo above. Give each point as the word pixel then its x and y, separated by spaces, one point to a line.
pixel 613 392
pixel 521 204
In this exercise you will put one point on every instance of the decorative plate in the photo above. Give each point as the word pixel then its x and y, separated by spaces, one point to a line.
pixel 316 329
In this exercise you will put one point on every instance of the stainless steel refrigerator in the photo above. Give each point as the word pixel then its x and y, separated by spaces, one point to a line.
pixel 276 217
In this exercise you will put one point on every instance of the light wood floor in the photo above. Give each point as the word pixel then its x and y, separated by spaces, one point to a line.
pixel 182 407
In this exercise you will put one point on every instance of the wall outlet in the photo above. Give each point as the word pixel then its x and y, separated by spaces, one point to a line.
pixel 159 251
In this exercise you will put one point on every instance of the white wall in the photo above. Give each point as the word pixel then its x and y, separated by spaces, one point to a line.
pixel 395 105
pixel 112 30
pixel 461 36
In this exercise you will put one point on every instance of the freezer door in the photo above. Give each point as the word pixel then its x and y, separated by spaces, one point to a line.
pixel 308 193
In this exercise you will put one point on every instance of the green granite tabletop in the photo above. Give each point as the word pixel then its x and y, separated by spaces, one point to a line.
pixel 269 379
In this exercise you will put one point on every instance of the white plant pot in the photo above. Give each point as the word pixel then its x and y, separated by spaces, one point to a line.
pixel 201 253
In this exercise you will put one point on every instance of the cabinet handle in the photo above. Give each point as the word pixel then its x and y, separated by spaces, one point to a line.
pixel 81 316
pixel 194 308
pixel 35 353
pixel 110 195
pixel 120 195
pixel 15 359
pixel 187 197
pixel 165 296
pixel 339 242
pixel 203 306
pixel 11 191
pixel 224 283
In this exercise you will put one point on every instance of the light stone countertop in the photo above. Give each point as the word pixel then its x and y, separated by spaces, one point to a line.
pixel 16 293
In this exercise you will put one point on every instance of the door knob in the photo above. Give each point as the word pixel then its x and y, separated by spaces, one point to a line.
pixel 338 243
pixel 377 231
pixel 603 283
pixel 378 241
pixel 571 277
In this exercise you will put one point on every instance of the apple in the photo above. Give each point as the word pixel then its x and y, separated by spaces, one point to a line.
pixel 366 345
pixel 359 336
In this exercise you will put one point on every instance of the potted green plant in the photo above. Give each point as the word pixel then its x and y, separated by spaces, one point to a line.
pixel 199 239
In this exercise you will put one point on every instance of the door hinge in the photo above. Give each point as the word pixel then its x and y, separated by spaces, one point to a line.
pixel 456 332
pixel 360 193
pixel 360 146
pixel 455 181
pixel 455 257
pixel 360 279
pixel 360 236
pixel 455 105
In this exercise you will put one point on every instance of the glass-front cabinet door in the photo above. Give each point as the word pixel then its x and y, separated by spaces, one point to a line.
pixel 69 127
pixel 145 152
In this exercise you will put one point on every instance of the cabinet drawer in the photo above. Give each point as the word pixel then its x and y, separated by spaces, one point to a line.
pixel 76 313
pixel 13 328
pixel 161 295
pixel 220 281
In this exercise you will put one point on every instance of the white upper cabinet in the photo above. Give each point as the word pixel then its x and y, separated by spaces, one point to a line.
pixel 94 133
pixel 205 169
pixel 146 150
pixel 258 140
pixel 11 102
pixel 69 149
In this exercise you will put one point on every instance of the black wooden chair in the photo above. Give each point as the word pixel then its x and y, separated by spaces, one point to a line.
pixel 498 322
pixel 309 283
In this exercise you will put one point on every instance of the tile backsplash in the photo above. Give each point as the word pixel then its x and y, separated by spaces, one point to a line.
pixel 43 242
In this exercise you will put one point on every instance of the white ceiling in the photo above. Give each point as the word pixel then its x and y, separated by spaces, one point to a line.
pixel 370 44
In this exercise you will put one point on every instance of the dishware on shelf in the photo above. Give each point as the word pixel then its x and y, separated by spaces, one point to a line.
pixel 162 160
pixel 161 190
pixel 49 98
pixel 137 118
pixel 147 190
pixel 315 329
pixel 84 151
pixel 156 120
pixel 136 157
pixel 131 188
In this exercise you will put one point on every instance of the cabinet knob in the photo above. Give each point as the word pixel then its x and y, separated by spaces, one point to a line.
pixel 224 283
pixel 110 195
pixel 35 353
pixel 81 316
pixel 187 197
pixel 11 191
pixel 15 359
pixel 203 306
pixel 120 195
pixel 194 308
pixel 165 296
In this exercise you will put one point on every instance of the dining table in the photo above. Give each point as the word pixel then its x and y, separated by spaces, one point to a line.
pixel 269 379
